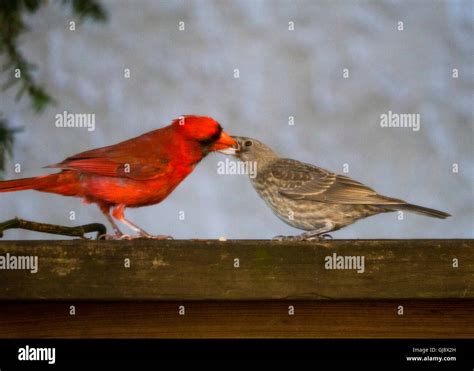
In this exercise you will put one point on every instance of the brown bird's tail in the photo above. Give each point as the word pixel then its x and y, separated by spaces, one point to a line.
pixel 420 210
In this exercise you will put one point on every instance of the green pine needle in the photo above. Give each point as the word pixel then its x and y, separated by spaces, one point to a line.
pixel 11 27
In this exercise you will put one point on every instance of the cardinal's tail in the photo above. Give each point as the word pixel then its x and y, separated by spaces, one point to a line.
pixel 24 184
pixel 421 210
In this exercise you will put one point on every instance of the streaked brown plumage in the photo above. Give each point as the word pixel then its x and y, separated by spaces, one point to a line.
pixel 314 199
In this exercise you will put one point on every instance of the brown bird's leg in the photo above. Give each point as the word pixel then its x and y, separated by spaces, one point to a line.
pixel 118 213
pixel 105 208
pixel 318 234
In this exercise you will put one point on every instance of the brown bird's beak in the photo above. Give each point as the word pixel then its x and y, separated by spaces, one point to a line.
pixel 226 144
pixel 234 150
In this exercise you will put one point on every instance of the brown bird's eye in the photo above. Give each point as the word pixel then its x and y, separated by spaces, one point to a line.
pixel 248 143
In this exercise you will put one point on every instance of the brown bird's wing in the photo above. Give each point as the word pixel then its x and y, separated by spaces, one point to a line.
pixel 128 159
pixel 302 181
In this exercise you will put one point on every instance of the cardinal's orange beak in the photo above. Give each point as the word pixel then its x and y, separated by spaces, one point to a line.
pixel 225 144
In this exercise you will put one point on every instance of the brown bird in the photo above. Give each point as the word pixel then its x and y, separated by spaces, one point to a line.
pixel 311 198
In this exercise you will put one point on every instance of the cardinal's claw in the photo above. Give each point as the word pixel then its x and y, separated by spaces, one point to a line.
pixel 163 237
pixel 128 237
pixel 108 237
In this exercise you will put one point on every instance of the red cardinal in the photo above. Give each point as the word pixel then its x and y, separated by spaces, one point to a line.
pixel 138 172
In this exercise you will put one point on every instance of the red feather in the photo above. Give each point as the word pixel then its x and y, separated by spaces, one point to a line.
pixel 137 172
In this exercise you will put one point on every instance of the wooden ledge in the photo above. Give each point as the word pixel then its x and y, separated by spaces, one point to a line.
pixel 238 270
pixel 421 319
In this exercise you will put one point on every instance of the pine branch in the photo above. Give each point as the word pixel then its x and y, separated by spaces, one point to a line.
pixel 12 26
pixel 87 9
pixel 6 141
pixel 20 70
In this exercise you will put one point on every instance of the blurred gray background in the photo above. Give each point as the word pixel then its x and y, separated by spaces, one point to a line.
pixel 282 73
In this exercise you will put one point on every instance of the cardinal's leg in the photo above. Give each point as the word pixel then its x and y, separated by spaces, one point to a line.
pixel 105 208
pixel 319 233
pixel 118 213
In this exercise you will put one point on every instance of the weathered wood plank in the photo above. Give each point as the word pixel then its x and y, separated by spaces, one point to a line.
pixel 255 319
pixel 204 270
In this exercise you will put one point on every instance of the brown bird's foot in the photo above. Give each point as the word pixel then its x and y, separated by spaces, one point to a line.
pixel 307 236
pixel 290 238
pixel 316 235
pixel 283 238
pixel 303 237
pixel 325 236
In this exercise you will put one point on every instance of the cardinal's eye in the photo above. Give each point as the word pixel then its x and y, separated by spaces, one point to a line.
pixel 248 143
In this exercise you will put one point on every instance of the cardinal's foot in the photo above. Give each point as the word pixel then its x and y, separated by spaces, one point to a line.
pixel 153 237
pixel 114 237
pixel 128 237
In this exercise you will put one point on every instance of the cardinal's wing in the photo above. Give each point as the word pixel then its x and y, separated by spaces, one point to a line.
pixel 300 181
pixel 129 159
